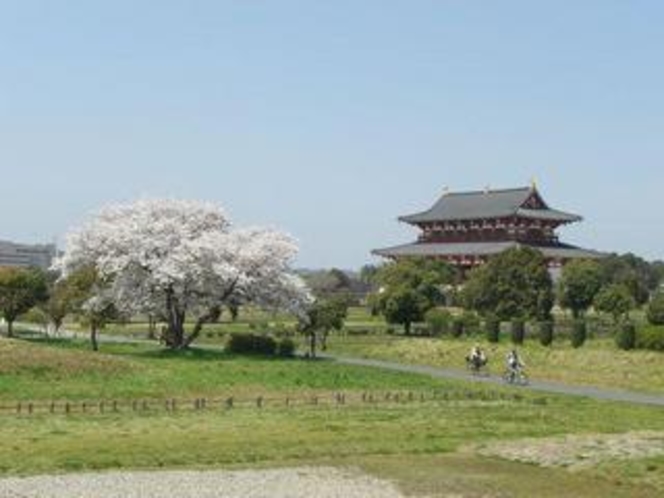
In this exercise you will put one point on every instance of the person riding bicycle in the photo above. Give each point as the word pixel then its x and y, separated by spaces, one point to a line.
pixel 476 359
pixel 514 362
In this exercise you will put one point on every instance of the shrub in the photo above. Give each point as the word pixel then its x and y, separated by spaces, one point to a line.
pixel 282 330
pixel 518 329
pixel 626 336
pixel 420 330
pixel 579 333
pixel 438 321
pixel 286 348
pixel 492 326
pixel 655 312
pixel 471 322
pixel 252 344
pixel 650 337
pixel 457 327
pixel 546 333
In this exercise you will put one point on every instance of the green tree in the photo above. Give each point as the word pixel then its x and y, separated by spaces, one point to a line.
pixel 20 290
pixel 513 284
pixel 329 283
pixel 634 273
pixel 615 300
pixel 90 299
pixel 323 316
pixel 438 321
pixel 368 274
pixel 655 312
pixel 580 282
pixel 410 287
pixel 64 297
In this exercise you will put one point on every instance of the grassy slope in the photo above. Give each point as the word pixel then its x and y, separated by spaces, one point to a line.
pixel 597 363
pixel 416 444
pixel 66 370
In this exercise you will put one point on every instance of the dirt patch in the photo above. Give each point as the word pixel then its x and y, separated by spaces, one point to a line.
pixel 578 451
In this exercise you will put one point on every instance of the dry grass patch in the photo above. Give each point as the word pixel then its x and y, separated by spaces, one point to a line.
pixel 579 451
pixel 598 363
pixel 19 357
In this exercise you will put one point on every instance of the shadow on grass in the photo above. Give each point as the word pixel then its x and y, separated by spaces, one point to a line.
pixel 202 354
pixel 156 352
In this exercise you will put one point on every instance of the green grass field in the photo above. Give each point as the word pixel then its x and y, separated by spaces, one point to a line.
pixel 61 369
pixel 598 363
pixel 428 447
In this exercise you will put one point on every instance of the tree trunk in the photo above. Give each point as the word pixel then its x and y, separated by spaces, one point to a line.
pixel 212 315
pixel 10 328
pixel 93 337
pixel 312 344
pixel 323 341
pixel 152 327
pixel 406 327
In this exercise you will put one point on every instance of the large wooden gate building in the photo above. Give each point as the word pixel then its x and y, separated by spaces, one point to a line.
pixel 465 228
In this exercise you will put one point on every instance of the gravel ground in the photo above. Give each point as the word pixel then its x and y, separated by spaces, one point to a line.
pixel 320 482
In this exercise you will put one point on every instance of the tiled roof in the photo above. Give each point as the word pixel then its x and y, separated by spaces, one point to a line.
pixel 485 205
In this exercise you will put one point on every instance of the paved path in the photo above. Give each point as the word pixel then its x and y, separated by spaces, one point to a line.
pixel 536 385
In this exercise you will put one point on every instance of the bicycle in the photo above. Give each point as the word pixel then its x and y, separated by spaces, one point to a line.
pixel 477 366
pixel 515 376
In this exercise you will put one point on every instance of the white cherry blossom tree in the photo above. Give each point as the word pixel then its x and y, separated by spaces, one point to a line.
pixel 182 260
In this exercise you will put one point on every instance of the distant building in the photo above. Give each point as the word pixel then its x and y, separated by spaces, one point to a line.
pixel 465 228
pixel 26 255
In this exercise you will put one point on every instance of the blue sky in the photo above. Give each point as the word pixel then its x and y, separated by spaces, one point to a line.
pixel 330 119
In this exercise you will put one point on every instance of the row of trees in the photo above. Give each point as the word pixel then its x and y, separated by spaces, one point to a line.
pixel 516 284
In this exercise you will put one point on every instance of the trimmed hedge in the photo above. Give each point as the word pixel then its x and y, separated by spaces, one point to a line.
pixel 258 344
pixel 471 323
pixel 626 336
pixel 286 348
pixel 518 329
pixel 579 333
pixel 438 321
pixel 650 337
pixel 545 330
pixel 492 326
pixel 655 311
pixel 457 327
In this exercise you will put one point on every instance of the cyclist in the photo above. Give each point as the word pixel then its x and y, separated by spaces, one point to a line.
pixel 476 359
pixel 514 364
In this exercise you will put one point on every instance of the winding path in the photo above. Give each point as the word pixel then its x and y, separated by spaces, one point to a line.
pixel 535 385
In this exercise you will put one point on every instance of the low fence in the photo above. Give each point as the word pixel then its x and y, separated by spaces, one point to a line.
pixel 225 404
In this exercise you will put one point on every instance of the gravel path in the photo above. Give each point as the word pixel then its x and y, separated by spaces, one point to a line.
pixel 306 482
pixel 551 387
